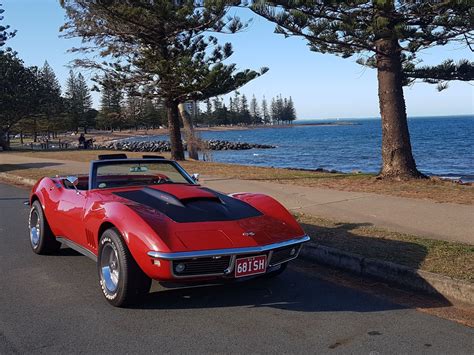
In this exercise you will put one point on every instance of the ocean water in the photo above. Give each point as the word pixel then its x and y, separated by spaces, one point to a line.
pixel 442 146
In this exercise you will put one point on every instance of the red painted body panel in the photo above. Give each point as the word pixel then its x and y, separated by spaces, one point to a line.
pixel 81 217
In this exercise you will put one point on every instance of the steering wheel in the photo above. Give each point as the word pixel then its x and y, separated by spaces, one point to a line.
pixel 160 180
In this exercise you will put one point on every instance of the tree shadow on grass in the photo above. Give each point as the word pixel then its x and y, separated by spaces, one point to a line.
pixel 342 237
pixel 12 167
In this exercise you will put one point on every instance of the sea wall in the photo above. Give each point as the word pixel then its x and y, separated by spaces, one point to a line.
pixel 164 146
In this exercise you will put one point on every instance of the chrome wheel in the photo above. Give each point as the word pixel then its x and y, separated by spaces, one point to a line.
pixel 35 230
pixel 109 268
pixel 121 280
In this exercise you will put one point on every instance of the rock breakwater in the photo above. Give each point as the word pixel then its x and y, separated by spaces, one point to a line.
pixel 164 146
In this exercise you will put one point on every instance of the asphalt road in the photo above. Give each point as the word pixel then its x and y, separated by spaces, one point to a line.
pixel 52 304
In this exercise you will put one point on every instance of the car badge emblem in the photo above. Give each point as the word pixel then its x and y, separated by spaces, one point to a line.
pixel 248 234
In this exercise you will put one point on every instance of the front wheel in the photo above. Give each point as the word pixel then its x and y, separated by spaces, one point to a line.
pixel 42 239
pixel 121 280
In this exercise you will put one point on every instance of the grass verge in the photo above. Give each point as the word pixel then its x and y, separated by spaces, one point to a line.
pixel 441 257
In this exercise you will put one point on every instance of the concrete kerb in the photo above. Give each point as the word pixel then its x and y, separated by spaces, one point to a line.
pixel 15 179
pixel 414 279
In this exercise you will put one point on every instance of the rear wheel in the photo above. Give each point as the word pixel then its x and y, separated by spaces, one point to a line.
pixel 42 239
pixel 121 280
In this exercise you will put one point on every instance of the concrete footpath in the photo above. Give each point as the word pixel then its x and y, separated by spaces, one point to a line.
pixel 444 221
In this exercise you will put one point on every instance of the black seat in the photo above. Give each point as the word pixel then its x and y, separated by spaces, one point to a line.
pixel 112 156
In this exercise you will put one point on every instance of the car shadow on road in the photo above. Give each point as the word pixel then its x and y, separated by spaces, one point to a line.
pixel 297 290
pixel 292 291
pixel 65 251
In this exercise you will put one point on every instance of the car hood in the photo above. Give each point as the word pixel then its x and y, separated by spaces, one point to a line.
pixel 190 217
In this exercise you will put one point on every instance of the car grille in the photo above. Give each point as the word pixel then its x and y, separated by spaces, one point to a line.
pixel 284 254
pixel 202 266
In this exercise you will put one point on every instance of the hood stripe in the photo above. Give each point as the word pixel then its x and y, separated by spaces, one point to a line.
pixel 199 209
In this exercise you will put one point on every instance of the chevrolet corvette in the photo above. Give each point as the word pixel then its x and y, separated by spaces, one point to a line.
pixel 148 219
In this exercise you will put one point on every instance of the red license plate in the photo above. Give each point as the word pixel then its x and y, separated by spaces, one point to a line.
pixel 253 265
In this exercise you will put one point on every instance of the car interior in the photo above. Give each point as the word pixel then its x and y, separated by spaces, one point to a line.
pixel 111 180
pixel 82 185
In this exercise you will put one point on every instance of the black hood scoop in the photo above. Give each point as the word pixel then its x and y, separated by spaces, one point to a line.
pixel 199 209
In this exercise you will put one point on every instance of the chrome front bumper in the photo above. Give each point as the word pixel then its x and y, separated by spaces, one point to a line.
pixel 232 253
pixel 224 252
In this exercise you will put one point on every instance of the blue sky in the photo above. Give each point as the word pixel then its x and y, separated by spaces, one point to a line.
pixel 322 86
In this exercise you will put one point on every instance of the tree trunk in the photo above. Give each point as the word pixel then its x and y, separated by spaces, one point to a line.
pixel 177 150
pixel 397 157
pixel 35 133
pixel 191 139
pixel 4 141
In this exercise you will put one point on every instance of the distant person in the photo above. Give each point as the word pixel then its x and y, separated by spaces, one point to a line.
pixel 82 141
pixel 89 144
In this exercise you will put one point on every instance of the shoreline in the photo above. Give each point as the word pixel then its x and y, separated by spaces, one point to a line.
pixel 331 150
pixel 164 131
pixel 101 141
pixel 102 137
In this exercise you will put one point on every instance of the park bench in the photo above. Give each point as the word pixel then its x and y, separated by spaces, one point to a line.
pixel 47 144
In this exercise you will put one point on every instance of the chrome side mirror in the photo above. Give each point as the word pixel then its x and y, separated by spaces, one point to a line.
pixel 74 181
pixel 195 177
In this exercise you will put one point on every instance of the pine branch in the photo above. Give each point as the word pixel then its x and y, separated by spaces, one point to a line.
pixel 441 74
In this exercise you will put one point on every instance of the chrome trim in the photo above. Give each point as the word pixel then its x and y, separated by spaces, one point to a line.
pixel 194 276
pixel 269 258
pixel 225 252
pixel 284 260
pixel 227 271
pixel 77 247
pixel 109 269
pixel 35 228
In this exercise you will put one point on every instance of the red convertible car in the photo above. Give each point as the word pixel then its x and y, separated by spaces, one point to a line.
pixel 144 219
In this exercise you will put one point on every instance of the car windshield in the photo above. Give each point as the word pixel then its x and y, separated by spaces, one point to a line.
pixel 138 173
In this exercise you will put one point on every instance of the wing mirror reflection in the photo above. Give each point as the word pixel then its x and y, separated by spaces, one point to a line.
pixel 195 177
pixel 74 181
